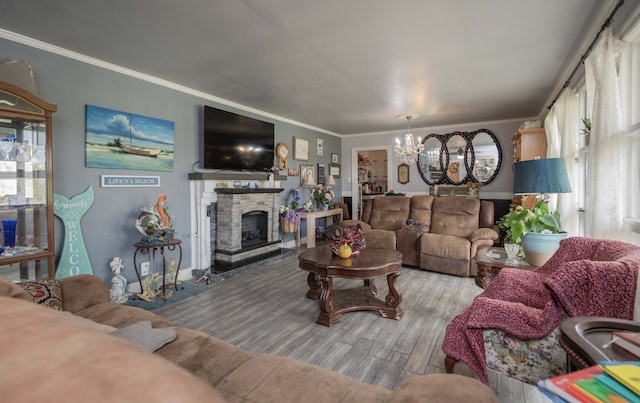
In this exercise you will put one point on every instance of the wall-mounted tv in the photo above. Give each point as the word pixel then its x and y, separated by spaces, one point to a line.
pixel 235 142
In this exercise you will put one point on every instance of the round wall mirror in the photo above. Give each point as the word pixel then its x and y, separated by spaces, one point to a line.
pixel 430 160
pixel 460 157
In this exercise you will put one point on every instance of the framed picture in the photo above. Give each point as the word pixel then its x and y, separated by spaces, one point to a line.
pixel 306 170
pixel 124 140
pixel 293 172
pixel 320 178
pixel 335 158
pixel 403 174
pixel 334 169
pixel 300 149
pixel 319 146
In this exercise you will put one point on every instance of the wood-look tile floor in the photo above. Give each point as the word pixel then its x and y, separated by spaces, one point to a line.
pixel 265 311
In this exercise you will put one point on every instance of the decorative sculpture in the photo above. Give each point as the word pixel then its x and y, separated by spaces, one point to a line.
pixel 118 282
pixel 155 223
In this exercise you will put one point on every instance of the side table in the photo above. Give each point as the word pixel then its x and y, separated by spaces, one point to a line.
pixel 149 249
pixel 491 260
pixel 584 339
pixel 310 218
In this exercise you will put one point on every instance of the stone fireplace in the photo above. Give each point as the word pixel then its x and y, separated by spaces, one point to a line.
pixel 247 226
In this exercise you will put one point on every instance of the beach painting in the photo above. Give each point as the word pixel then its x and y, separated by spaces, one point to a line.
pixel 122 140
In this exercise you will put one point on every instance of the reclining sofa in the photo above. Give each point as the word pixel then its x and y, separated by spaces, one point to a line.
pixel 440 234
pixel 73 345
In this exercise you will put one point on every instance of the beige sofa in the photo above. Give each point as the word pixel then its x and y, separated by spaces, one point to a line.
pixel 68 355
pixel 449 232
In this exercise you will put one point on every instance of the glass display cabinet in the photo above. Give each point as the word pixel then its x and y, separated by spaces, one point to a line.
pixel 26 185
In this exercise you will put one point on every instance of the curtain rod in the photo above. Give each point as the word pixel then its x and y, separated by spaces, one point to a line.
pixel 604 26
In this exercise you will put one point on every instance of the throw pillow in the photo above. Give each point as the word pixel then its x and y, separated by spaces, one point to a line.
pixel 144 335
pixel 45 292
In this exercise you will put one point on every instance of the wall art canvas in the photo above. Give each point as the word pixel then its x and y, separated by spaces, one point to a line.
pixel 123 140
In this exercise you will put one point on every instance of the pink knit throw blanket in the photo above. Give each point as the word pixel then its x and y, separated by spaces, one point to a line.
pixel 585 277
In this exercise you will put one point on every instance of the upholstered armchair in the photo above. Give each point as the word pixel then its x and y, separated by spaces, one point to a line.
pixel 513 326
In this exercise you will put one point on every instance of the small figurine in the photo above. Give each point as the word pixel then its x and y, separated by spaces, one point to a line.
pixel 118 282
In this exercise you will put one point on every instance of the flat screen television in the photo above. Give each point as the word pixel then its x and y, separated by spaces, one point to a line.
pixel 235 142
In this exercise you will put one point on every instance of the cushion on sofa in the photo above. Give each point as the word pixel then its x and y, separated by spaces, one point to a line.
pixel 265 378
pixel 207 357
pixel 9 289
pixel 46 292
pixel 457 216
pixel 421 210
pixel 46 356
pixel 446 246
pixel 390 212
pixel 120 316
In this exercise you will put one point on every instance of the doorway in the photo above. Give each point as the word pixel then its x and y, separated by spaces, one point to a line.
pixel 370 168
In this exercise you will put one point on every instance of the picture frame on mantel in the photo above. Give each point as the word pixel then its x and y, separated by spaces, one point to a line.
pixel 300 149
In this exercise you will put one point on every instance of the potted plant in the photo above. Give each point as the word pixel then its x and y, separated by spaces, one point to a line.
pixel 321 196
pixel 538 230
pixel 290 213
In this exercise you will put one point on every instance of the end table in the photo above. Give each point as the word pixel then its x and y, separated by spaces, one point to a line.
pixel 584 338
pixel 491 260
pixel 149 249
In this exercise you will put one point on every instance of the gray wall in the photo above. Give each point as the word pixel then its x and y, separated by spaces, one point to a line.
pixel 108 227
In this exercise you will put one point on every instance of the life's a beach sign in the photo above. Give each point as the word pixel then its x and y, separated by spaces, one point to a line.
pixel 125 181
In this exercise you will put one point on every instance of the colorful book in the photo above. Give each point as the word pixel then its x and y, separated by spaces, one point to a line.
pixel 625 372
pixel 617 387
pixel 560 385
pixel 596 391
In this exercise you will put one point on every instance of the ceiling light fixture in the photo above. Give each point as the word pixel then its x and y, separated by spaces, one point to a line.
pixel 410 151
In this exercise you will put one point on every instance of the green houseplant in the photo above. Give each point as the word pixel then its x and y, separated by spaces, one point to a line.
pixel 539 231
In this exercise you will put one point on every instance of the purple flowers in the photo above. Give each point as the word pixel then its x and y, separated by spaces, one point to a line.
pixel 291 212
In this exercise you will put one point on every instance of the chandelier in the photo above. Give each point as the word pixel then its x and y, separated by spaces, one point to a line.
pixel 411 149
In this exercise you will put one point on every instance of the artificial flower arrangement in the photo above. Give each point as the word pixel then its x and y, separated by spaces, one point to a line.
pixel 291 212
pixel 322 194
pixel 351 235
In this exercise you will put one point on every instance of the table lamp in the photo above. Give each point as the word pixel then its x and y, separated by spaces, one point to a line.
pixel 541 176
pixel 331 181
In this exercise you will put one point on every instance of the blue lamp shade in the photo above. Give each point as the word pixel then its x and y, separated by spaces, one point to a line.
pixel 547 175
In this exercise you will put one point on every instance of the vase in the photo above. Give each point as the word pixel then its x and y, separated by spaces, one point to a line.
pixel 538 248
pixel 288 226
pixel 323 206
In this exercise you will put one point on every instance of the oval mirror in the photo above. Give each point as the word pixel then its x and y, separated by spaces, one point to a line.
pixel 456 170
pixel 429 161
pixel 487 157
pixel 460 157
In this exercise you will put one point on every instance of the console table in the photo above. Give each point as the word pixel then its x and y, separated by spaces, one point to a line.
pixel 310 218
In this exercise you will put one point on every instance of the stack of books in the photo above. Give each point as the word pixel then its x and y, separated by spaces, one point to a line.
pixel 615 382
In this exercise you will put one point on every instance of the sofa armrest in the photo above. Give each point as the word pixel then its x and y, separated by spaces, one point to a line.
pixel 82 291
pixel 443 388
pixel 479 234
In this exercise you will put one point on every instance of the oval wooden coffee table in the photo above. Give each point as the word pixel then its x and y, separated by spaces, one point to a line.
pixel 370 263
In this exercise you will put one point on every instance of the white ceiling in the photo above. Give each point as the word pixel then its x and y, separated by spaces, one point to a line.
pixel 344 66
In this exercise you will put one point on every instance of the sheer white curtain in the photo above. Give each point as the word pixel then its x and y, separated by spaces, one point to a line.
pixel 607 168
pixel 562 127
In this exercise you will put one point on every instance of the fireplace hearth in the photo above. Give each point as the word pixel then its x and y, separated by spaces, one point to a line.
pixel 247 226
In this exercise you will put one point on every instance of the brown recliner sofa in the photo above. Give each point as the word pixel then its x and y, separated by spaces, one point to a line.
pixel 68 355
pixel 445 238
